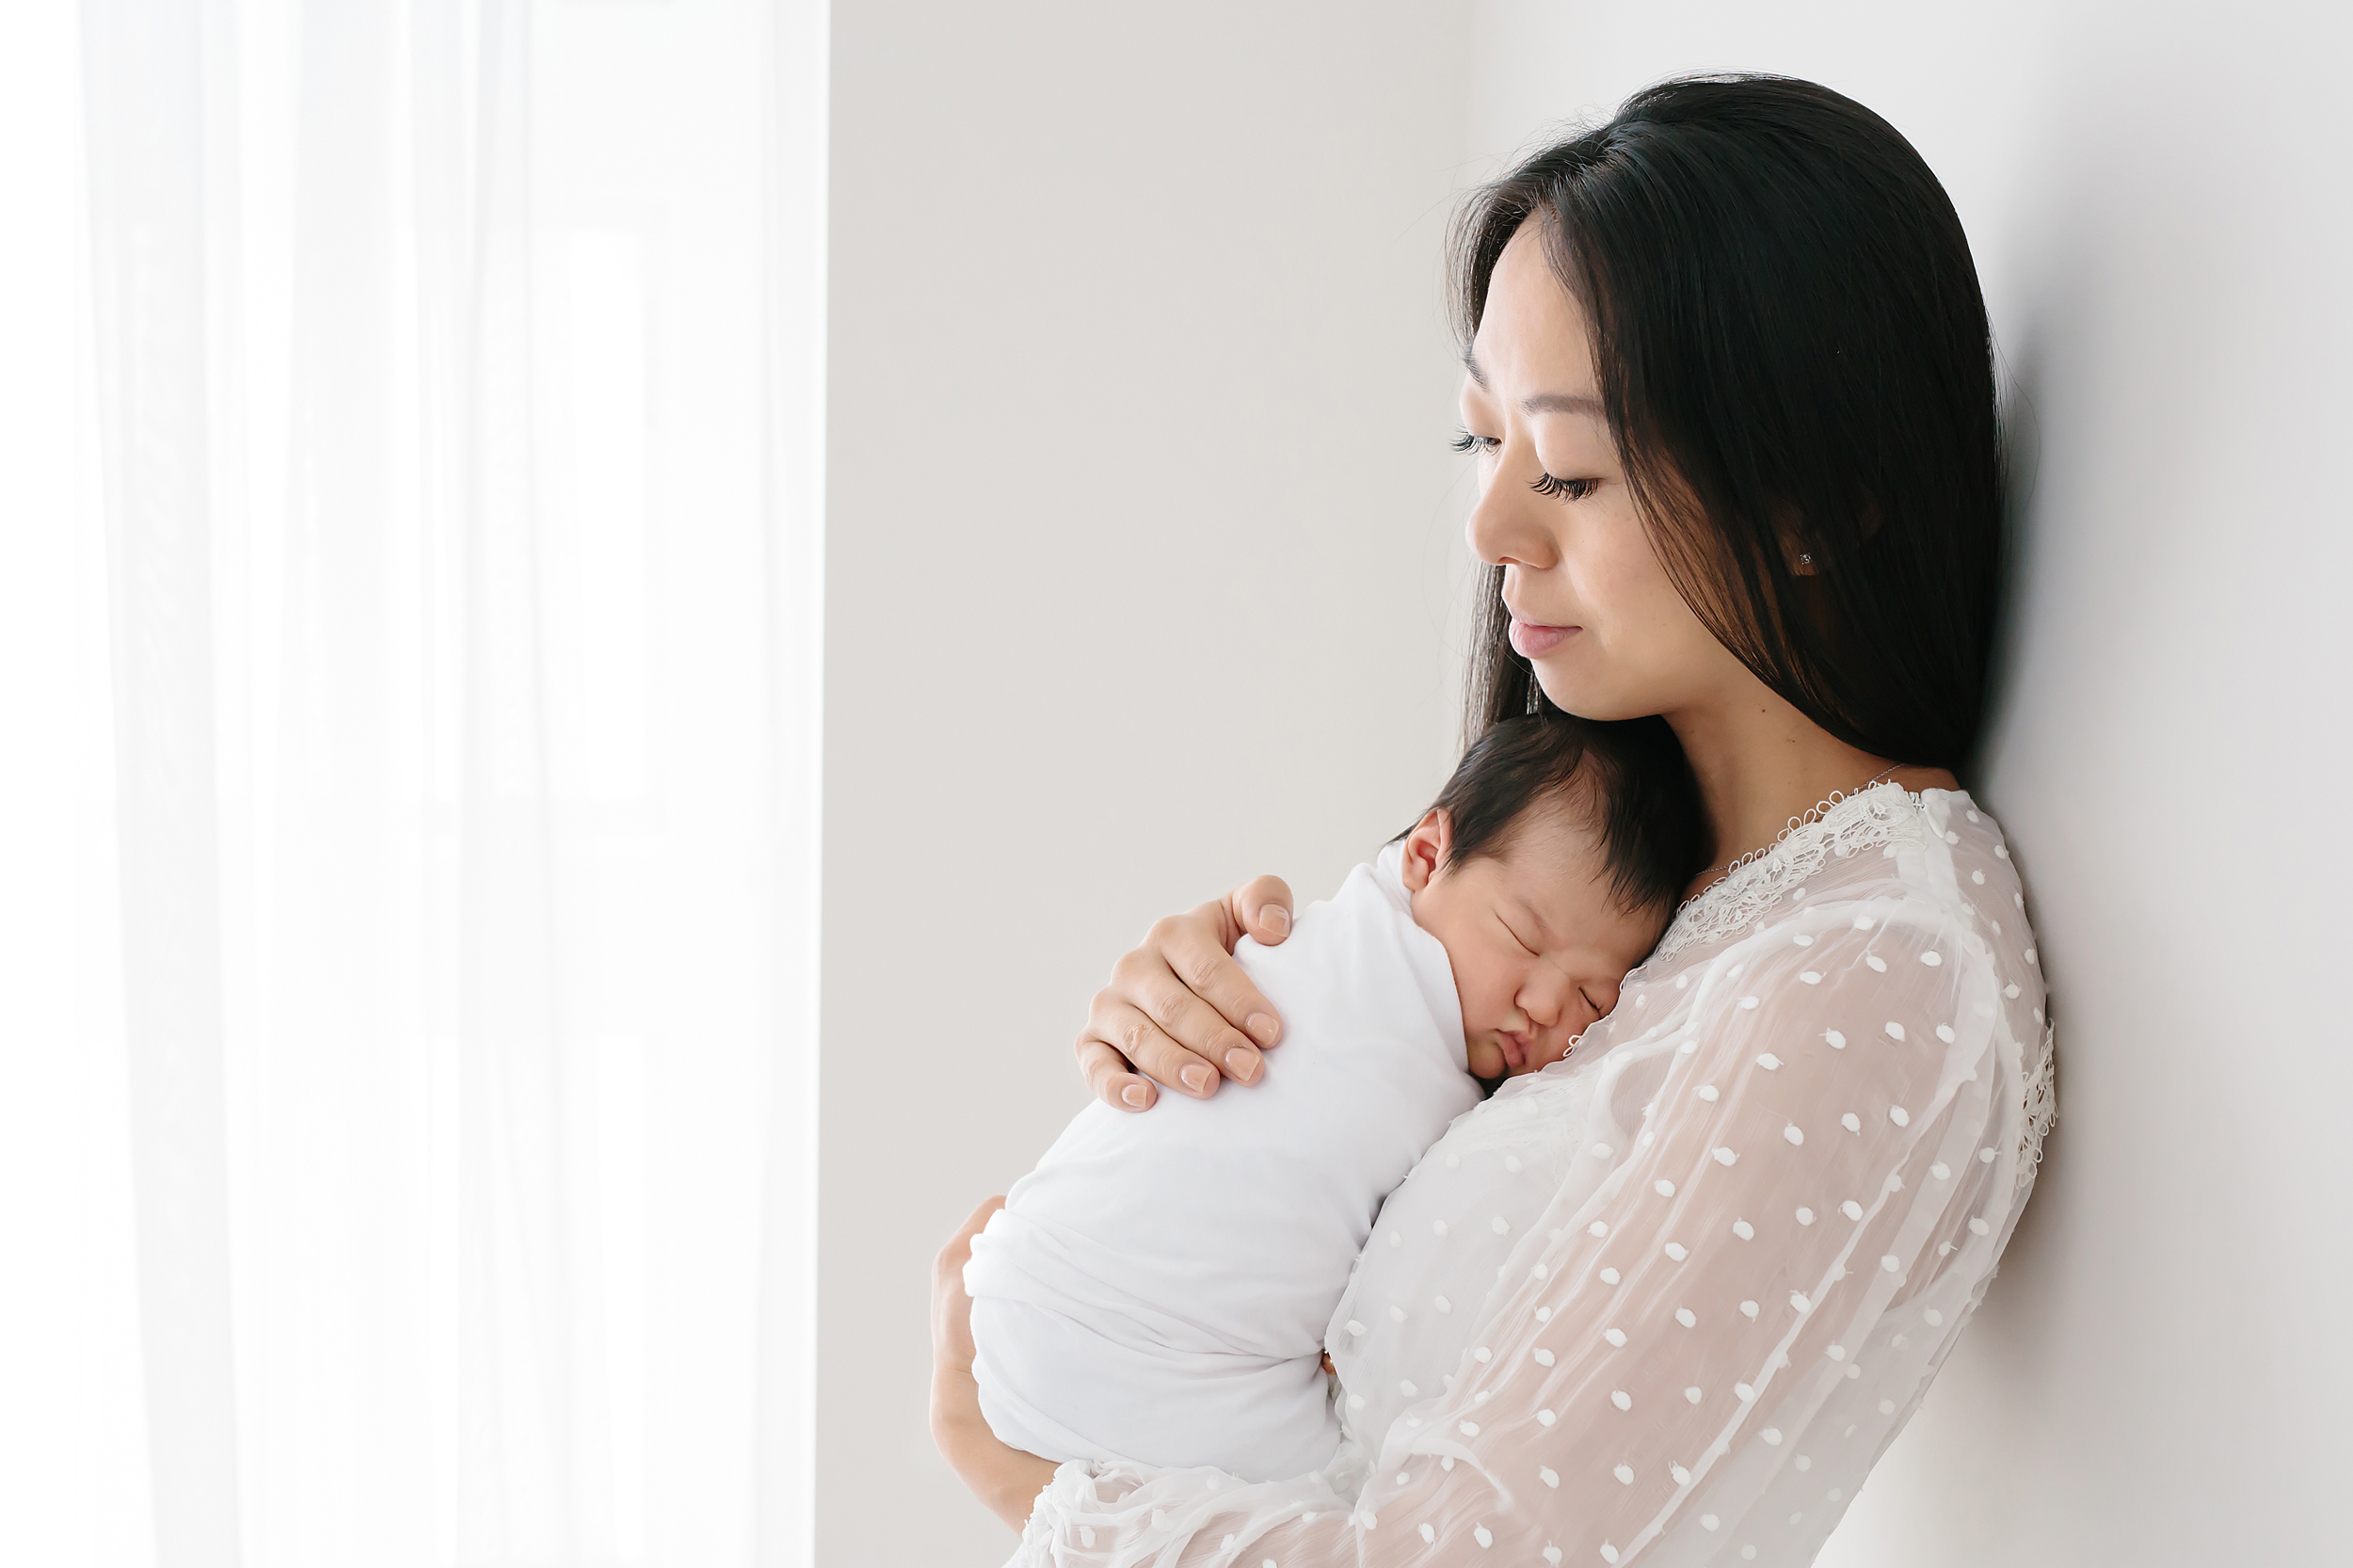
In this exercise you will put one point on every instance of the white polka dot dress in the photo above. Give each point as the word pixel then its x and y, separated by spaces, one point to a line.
pixel 1665 1300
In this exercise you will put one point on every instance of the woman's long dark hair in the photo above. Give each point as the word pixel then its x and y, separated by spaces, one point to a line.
pixel 1794 357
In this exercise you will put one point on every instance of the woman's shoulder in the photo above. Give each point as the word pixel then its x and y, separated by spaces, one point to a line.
pixel 1932 856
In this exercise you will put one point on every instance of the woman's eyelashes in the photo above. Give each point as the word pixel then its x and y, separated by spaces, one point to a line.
pixel 1565 489
pixel 1543 484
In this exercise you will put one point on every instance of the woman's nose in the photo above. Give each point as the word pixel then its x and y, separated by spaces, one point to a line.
pixel 1484 532
pixel 1503 530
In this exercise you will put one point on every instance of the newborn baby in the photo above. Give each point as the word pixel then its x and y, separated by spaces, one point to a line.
pixel 1157 1291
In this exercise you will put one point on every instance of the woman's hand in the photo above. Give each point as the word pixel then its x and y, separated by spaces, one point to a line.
pixel 1180 1011
pixel 1003 1476
pixel 951 1309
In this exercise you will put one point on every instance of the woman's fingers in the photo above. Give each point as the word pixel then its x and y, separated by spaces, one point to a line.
pixel 1179 1012
pixel 1189 986
pixel 951 1259
pixel 1262 907
pixel 1199 952
pixel 951 1309
pixel 1111 1080
pixel 949 1265
pixel 1146 1048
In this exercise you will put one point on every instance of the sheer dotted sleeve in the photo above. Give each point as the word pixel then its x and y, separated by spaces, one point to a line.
pixel 1712 1344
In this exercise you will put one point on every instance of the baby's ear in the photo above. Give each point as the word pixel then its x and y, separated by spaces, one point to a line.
pixel 1426 848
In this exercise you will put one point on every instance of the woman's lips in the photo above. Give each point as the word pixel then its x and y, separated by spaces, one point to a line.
pixel 1531 641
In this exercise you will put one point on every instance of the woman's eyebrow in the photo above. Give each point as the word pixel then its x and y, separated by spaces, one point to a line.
pixel 1543 403
pixel 1563 402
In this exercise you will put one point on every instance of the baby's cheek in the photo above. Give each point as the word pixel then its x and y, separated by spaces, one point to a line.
pixel 1486 1059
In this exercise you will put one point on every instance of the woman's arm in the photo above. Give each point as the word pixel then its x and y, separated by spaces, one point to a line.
pixel 1179 1010
pixel 1003 1478
pixel 1719 1340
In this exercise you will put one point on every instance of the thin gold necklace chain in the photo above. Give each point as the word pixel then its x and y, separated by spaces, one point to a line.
pixel 1812 814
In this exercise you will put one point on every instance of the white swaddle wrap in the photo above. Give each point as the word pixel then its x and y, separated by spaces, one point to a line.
pixel 1157 1291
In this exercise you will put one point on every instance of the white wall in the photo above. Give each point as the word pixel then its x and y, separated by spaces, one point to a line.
pixel 1141 565
pixel 1140 556
pixel 2158 198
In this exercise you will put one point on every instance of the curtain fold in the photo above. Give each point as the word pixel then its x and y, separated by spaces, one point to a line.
pixel 144 92
pixel 458 371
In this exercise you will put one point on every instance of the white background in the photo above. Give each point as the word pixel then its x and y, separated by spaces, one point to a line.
pixel 1143 579
pixel 410 428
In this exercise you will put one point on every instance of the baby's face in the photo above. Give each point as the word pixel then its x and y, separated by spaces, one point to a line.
pixel 1538 945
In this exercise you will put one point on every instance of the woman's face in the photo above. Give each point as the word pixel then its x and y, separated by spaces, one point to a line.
pixel 1592 608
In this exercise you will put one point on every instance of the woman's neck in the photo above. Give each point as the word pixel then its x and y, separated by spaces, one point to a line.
pixel 1760 762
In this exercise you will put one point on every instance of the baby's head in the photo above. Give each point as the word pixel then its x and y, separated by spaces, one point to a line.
pixel 1548 868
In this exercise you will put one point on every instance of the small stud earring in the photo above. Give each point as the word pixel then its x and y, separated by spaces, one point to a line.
pixel 1806 560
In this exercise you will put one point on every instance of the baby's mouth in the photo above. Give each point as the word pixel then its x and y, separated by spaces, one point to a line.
pixel 1515 1048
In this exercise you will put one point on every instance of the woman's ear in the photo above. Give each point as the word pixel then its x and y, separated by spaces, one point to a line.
pixel 1804 553
pixel 1796 550
pixel 1426 848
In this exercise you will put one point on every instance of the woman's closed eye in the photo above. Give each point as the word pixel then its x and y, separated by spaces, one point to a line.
pixel 1543 484
pixel 1566 489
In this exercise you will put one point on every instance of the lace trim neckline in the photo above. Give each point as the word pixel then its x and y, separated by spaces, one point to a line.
pixel 1840 823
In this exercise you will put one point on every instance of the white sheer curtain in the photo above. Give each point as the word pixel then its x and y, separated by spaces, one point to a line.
pixel 412 581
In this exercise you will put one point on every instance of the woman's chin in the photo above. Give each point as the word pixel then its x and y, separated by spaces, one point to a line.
pixel 1580 697
pixel 1573 685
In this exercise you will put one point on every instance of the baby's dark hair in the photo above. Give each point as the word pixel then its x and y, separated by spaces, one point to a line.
pixel 1628 780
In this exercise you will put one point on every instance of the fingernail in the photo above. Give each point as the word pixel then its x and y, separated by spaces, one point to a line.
pixel 1276 919
pixel 1137 1095
pixel 1197 1077
pixel 1242 1062
pixel 1264 1027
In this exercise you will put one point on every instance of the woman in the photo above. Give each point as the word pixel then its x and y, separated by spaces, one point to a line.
pixel 1729 383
